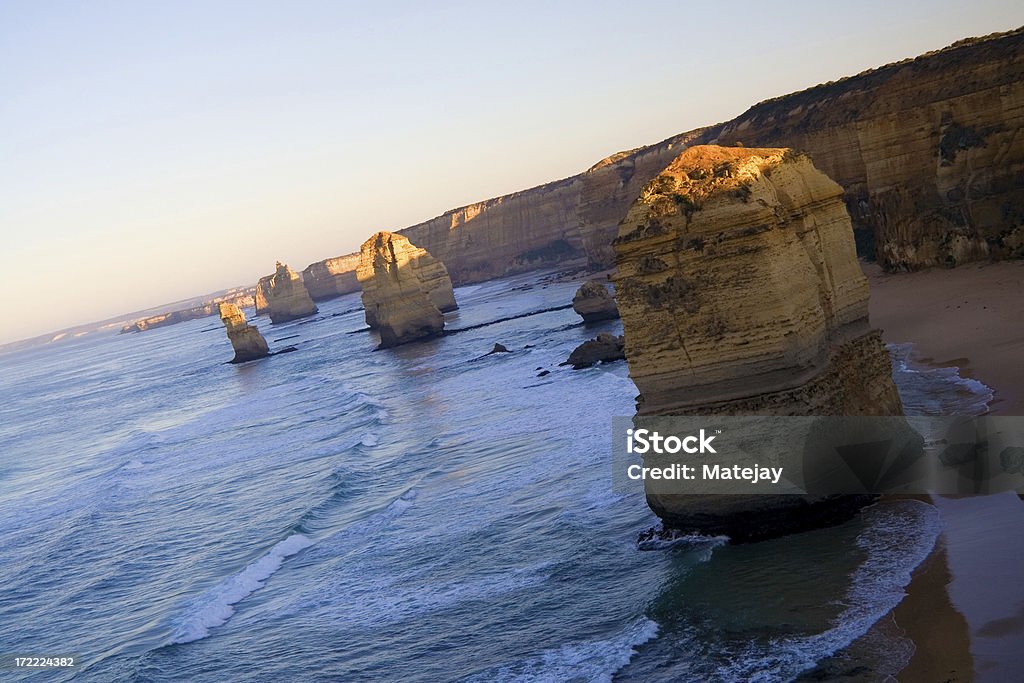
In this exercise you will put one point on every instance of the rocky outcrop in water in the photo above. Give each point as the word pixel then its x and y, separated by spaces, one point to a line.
pixel 396 301
pixel 740 293
pixel 431 274
pixel 606 348
pixel 245 339
pixel 286 296
pixel 593 302
pixel 260 297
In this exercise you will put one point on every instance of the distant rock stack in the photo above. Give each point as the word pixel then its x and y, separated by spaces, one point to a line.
pixel 260 296
pixel 741 294
pixel 593 302
pixel 286 296
pixel 246 340
pixel 397 301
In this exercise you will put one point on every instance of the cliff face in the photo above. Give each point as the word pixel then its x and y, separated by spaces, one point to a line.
pixel 395 299
pixel 740 293
pixel 332 277
pixel 245 339
pixel 286 296
pixel 186 314
pixel 739 289
pixel 929 151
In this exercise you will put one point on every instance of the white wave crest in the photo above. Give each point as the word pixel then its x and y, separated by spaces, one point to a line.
pixel 215 606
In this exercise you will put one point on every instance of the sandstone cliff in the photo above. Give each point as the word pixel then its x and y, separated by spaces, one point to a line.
pixel 286 296
pixel 740 293
pixel 332 277
pixel 245 339
pixel 260 296
pixel 240 298
pixel 395 299
pixel 927 150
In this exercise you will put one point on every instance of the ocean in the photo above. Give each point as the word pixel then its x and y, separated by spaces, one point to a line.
pixel 426 513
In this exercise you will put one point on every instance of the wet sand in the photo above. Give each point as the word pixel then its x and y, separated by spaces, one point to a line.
pixel 971 317
pixel 964 608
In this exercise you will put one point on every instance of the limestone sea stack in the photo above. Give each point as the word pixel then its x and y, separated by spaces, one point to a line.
pixel 286 296
pixel 740 293
pixel 394 297
pixel 593 302
pixel 246 340
pixel 260 296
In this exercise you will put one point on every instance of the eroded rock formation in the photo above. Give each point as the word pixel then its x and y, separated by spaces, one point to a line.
pixel 260 297
pixel 286 296
pixel 929 152
pixel 396 301
pixel 245 339
pixel 593 302
pixel 431 273
pixel 740 293
pixel 332 277
pixel 606 348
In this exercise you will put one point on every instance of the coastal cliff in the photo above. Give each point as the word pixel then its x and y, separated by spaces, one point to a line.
pixel 286 296
pixel 331 277
pixel 397 301
pixel 740 293
pixel 928 151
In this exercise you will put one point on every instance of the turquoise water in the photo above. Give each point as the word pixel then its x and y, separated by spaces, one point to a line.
pixel 424 513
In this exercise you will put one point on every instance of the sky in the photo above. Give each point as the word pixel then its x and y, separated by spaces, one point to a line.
pixel 155 151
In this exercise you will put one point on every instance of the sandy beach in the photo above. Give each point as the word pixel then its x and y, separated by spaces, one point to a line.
pixel 971 317
pixel 963 605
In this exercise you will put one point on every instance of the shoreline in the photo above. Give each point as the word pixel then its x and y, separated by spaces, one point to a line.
pixel 969 318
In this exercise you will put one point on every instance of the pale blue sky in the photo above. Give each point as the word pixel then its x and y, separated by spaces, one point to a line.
pixel 153 151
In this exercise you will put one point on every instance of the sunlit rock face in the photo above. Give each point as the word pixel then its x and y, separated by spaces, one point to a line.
pixel 331 277
pixel 245 339
pixel 929 151
pixel 593 302
pixel 260 297
pixel 740 293
pixel 396 299
pixel 286 296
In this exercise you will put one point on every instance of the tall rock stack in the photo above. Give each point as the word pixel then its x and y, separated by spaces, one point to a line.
pixel 286 296
pixel 740 294
pixel 260 297
pixel 245 339
pixel 395 298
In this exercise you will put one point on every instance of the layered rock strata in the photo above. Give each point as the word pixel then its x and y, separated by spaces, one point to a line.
pixel 929 152
pixel 245 339
pixel 431 274
pixel 286 296
pixel 740 293
pixel 332 277
pixel 593 302
pixel 260 296
pixel 396 301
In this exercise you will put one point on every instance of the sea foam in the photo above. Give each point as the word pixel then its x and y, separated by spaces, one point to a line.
pixel 216 605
